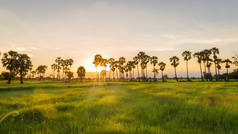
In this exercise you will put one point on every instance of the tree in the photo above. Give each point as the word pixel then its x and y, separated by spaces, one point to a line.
pixel 41 70
pixel 235 58
pixel 24 63
pixel 97 62
pixel 187 56
pixel 81 73
pixel 10 62
pixel 136 63
pixel 54 68
pixel 111 65
pixel 154 61
pixel 227 62
pixel 69 75
pixel 58 61
pixel 141 56
pixel 33 73
pixel 175 62
pixel 122 61
pixel 215 51
pixel 113 68
pixel 198 55
pixel 162 66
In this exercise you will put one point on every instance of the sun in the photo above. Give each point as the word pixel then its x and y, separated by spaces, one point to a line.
pixel 90 67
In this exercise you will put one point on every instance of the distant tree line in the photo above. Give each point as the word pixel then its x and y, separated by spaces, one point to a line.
pixel 20 66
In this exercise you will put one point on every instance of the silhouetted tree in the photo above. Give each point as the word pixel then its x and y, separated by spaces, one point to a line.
pixel 215 51
pixel 10 62
pixel 187 56
pixel 54 68
pixel 81 73
pixel 162 66
pixel 227 62
pixel 58 61
pixel 154 61
pixel 97 61
pixel 24 63
pixel 110 62
pixel 198 55
pixel 175 62
pixel 136 63
pixel 122 61
pixel 41 70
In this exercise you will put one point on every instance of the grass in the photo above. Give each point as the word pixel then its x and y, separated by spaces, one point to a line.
pixel 54 107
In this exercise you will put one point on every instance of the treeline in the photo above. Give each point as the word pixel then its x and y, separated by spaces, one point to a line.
pixel 20 66
pixel 205 59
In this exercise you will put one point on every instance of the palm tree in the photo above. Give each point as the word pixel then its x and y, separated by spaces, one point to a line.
pixel 116 64
pixel 227 62
pixel 113 68
pixel 10 61
pixel 154 61
pixel 96 62
pixel 141 56
pixel 54 68
pixel 110 62
pixel 103 63
pixel 162 66
pixel 215 51
pixel 136 63
pixel 122 61
pixel 175 62
pixel 187 56
pixel 146 60
pixel 58 61
pixel 218 66
pixel 81 71
pixel 198 55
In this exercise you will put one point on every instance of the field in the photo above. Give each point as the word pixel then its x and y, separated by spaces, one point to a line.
pixel 51 107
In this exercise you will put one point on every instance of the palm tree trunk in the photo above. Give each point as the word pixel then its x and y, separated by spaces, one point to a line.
pixel 201 72
pixel 133 73
pixel 175 74
pixel 227 72
pixel 146 72
pixel 154 73
pixel 216 70
pixel 9 77
pixel 21 78
pixel 187 71
pixel 138 71
pixel 162 76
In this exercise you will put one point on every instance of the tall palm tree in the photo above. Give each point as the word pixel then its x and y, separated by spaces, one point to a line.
pixel 110 62
pixel 198 55
pixel 122 61
pixel 215 51
pixel 154 61
pixel 116 64
pixel 175 62
pixel 146 60
pixel 227 62
pixel 54 68
pixel 58 61
pixel 218 66
pixel 187 56
pixel 136 63
pixel 96 62
pixel 162 66
pixel 141 57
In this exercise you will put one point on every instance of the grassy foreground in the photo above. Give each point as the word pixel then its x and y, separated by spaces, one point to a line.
pixel 47 107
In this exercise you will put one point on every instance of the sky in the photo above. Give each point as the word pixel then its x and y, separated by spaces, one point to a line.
pixel 79 29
